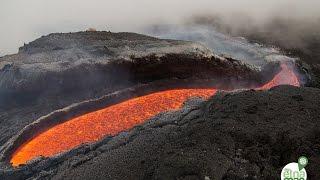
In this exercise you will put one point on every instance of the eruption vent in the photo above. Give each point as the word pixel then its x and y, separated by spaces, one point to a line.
pixel 114 119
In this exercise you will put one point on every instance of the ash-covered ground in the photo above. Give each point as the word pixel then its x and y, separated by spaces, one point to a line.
pixel 236 135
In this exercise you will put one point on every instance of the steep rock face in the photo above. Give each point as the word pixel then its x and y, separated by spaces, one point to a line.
pixel 38 62
pixel 237 135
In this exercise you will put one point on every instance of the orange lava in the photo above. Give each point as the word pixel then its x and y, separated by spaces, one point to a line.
pixel 114 119
pixel 111 120
pixel 285 76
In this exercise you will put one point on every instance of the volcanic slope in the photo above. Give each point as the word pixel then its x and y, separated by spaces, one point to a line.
pixel 112 120
pixel 238 135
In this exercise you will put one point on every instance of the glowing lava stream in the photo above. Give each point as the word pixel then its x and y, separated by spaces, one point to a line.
pixel 114 119
pixel 285 76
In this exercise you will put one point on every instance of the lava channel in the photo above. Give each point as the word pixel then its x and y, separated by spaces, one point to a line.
pixel 120 117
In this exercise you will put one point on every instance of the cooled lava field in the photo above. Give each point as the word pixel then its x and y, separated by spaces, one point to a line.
pixel 103 105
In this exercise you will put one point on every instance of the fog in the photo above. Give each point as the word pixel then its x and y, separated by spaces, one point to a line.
pixel 23 21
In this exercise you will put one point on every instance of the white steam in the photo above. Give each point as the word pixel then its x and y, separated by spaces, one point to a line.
pixel 25 20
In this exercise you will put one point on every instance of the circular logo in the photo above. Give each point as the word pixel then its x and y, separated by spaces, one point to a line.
pixel 303 161
pixel 291 171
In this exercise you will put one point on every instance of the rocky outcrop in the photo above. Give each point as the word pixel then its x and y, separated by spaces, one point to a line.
pixel 50 60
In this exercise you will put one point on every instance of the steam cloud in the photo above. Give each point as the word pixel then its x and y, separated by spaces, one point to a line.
pixel 23 21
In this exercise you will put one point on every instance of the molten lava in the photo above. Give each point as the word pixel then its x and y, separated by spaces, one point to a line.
pixel 285 76
pixel 111 120
pixel 114 119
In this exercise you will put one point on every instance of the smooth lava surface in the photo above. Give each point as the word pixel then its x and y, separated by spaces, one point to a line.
pixel 123 116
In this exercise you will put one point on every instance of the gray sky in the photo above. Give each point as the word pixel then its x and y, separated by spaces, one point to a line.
pixel 25 20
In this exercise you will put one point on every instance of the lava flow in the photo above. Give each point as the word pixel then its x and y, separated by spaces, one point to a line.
pixel 111 120
pixel 285 76
pixel 114 119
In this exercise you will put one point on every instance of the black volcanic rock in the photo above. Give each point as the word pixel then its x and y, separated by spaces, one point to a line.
pixel 237 135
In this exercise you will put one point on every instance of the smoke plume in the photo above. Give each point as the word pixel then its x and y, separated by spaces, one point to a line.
pixel 23 21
